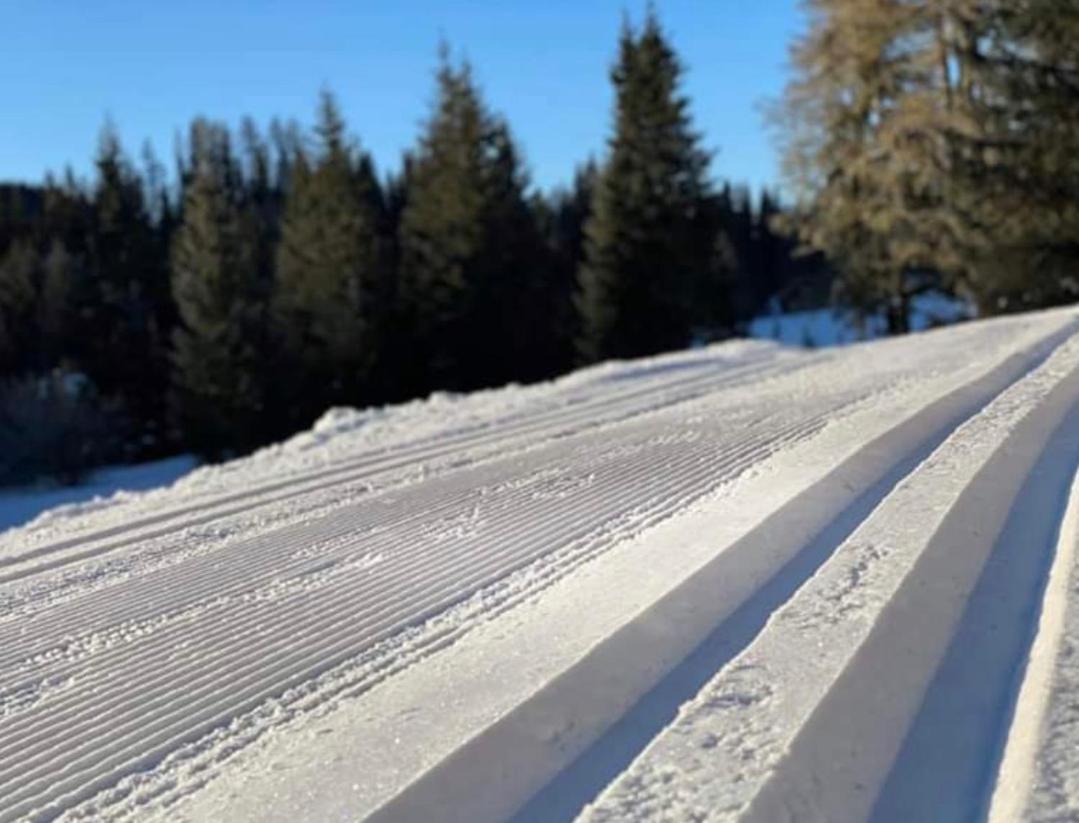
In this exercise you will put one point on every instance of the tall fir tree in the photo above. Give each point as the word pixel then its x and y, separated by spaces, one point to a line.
pixel 714 277
pixel 127 294
pixel 469 249
pixel 563 215
pixel 219 353
pixel 330 268
pixel 649 236
pixel 19 275
pixel 265 179
pixel 37 328
pixel 56 315
pixel 22 209
pixel 395 376
pixel 1025 77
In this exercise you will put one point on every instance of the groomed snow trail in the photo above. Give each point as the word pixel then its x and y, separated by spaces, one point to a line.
pixel 742 582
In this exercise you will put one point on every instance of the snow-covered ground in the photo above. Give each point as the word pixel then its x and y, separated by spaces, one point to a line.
pixel 833 327
pixel 744 582
pixel 21 505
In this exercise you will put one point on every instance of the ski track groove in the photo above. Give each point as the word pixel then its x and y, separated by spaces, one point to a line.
pixel 957 706
pixel 230 630
pixel 244 575
pixel 908 718
pixel 138 726
pixel 385 666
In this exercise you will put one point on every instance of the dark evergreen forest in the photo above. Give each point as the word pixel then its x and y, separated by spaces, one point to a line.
pixel 273 272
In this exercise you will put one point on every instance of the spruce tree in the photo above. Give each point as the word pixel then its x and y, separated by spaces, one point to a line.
pixel 329 272
pixel 394 377
pixel 264 196
pixel 1027 181
pixel 126 347
pixel 19 275
pixel 56 315
pixel 469 248
pixel 218 376
pixel 646 241
pixel 512 328
pixel 563 216
pixel 67 215
pixel 716 277
pixel 21 212
pixel 37 314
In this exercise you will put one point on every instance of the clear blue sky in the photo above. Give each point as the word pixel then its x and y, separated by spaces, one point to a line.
pixel 152 66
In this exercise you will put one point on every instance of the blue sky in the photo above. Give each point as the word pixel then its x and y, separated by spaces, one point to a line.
pixel 151 66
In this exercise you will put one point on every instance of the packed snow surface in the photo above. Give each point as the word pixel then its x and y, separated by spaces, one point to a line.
pixel 744 582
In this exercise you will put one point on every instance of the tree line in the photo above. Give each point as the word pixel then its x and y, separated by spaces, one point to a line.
pixel 935 144
pixel 276 274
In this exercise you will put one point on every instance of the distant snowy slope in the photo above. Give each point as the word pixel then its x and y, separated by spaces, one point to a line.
pixel 19 506
pixel 833 327
pixel 744 582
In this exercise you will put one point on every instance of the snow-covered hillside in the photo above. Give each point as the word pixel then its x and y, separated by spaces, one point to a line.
pixel 744 582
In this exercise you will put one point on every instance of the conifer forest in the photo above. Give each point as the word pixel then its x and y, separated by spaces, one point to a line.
pixel 224 298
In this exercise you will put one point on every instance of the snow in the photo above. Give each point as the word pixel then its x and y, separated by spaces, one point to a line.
pixel 104 487
pixel 820 737
pixel 833 327
pixel 742 582
pixel 1018 767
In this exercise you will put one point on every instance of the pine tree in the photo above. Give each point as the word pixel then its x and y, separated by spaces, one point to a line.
pixel 469 247
pixel 772 251
pixel 264 195
pixel 329 272
pixel 218 352
pixel 563 216
pixel 126 348
pixel 1026 77
pixel 55 320
pixel 716 276
pixel 394 377
pixel 646 239
pixel 67 215
pixel 37 314
pixel 70 294
pixel 517 295
pixel 571 211
pixel 21 212
pixel 19 274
